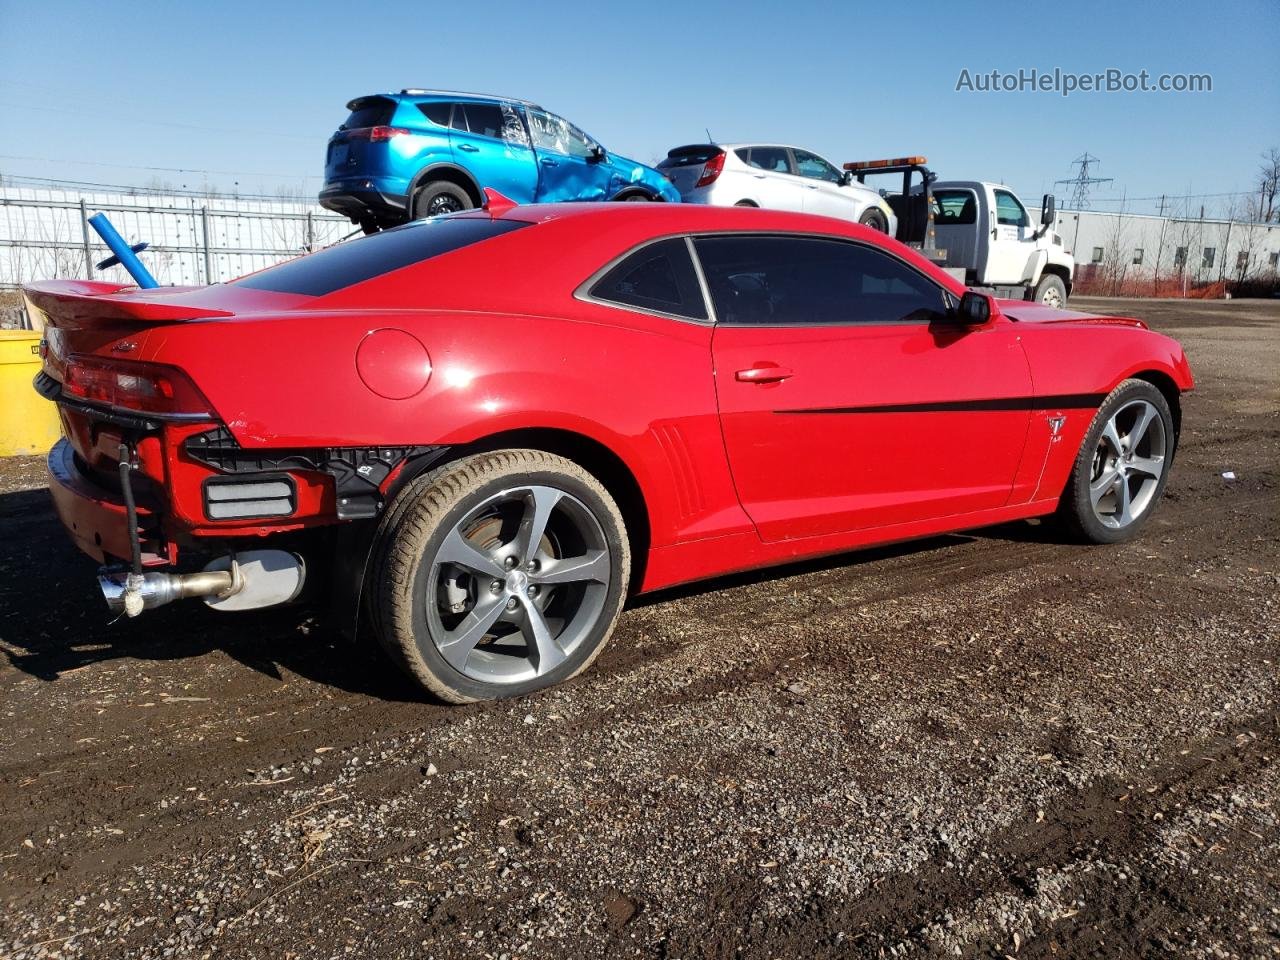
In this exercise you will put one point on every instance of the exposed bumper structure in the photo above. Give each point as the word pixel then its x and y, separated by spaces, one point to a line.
pixel 96 518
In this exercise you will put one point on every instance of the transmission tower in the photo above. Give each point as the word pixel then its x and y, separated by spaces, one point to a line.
pixel 1082 181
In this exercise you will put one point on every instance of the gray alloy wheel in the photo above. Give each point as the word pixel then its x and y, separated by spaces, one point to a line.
pixel 1127 464
pixel 1122 466
pixel 499 574
pixel 509 610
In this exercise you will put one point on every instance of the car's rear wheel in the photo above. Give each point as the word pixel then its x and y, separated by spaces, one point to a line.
pixel 875 219
pixel 438 198
pixel 499 575
pixel 636 198
pixel 1122 467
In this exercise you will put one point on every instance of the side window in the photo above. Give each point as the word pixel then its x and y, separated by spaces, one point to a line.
pixel 814 167
pixel 808 280
pixel 558 135
pixel 437 112
pixel 1009 210
pixel 484 119
pixel 774 159
pixel 658 276
pixel 956 206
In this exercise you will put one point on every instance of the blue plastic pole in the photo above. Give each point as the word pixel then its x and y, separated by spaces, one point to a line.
pixel 123 252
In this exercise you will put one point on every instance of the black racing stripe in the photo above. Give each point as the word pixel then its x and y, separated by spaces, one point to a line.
pixel 1066 401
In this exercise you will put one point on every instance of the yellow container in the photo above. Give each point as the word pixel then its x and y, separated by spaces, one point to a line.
pixel 28 422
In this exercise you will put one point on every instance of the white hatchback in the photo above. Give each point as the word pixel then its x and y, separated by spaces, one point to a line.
pixel 776 177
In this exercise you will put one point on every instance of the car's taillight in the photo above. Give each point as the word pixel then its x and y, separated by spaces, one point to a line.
pixel 710 170
pixel 377 133
pixel 130 385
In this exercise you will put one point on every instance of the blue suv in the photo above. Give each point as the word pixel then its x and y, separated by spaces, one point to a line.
pixel 421 153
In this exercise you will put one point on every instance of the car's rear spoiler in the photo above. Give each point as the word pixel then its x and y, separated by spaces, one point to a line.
pixel 81 300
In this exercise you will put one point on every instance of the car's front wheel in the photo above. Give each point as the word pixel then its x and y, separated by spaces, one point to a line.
pixel 500 574
pixel 1051 291
pixel 1122 467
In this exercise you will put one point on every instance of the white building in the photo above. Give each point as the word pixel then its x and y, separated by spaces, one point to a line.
pixel 1141 255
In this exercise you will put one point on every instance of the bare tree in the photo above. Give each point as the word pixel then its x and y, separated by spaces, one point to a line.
pixel 1116 255
pixel 1268 184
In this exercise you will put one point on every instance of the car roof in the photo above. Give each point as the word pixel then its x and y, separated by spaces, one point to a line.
pixel 428 92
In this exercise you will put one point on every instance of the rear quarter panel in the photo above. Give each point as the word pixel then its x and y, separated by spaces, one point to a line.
pixel 641 386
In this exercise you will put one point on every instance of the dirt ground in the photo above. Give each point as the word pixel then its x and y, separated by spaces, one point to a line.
pixel 981 745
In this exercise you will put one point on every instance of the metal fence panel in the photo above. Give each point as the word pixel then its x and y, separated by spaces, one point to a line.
pixel 193 239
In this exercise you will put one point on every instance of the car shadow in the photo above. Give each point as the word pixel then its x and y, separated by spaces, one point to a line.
pixel 848 560
pixel 53 620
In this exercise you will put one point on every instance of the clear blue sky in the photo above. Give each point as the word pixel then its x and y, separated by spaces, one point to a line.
pixel 251 91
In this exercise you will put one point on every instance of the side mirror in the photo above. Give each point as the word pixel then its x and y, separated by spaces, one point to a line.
pixel 597 154
pixel 846 178
pixel 1048 211
pixel 974 309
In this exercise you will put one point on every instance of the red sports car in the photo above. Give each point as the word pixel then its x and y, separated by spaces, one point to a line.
pixel 484 431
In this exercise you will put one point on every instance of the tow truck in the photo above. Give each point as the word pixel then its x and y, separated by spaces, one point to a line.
pixel 979 232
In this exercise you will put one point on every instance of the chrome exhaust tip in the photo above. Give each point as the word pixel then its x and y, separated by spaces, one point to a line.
pixel 131 593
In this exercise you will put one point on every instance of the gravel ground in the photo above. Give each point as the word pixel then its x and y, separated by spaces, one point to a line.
pixel 981 745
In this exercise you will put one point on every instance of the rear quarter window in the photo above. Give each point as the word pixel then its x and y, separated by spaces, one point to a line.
pixel 355 261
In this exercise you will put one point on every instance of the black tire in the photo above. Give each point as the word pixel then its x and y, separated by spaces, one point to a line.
pixel 440 197
pixel 745 203
pixel 1051 291
pixel 875 219
pixel 636 198
pixel 405 562
pixel 1076 510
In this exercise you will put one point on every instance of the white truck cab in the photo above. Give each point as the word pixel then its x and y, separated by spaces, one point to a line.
pixel 986 231
pixel 979 232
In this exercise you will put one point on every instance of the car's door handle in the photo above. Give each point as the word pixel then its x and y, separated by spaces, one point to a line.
pixel 470 148
pixel 549 162
pixel 764 373
pixel 760 176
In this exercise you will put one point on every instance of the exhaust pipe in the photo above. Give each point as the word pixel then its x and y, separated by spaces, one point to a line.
pixel 131 593
pixel 244 581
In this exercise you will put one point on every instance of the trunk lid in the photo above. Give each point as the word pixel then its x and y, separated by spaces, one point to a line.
pixel 683 165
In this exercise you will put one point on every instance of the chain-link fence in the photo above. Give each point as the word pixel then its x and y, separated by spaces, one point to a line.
pixel 194 238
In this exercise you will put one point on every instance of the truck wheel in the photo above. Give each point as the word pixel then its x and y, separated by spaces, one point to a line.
pixel 1122 467
pixel 500 574
pixel 439 197
pixel 1051 291
pixel 874 219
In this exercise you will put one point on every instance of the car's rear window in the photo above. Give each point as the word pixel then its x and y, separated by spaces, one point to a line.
pixel 688 156
pixel 370 112
pixel 355 261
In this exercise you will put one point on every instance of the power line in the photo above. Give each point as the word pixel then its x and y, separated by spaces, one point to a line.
pixel 127 166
